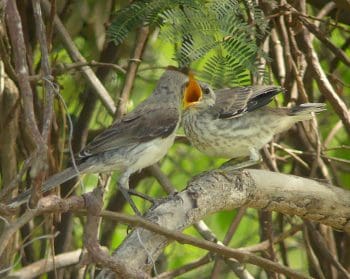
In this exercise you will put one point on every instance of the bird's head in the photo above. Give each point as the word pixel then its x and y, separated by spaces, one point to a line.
pixel 197 94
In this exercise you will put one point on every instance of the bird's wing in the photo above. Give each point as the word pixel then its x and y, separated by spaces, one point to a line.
pixel 233 102
pixel 134 129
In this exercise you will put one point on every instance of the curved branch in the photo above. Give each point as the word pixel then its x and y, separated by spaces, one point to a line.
pixel 214 191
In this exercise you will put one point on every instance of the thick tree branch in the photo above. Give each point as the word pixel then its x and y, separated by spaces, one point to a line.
pixel 19 51
pixel 215 248
pixel 46 69
pixel 214 191
pixel 208 193
pixel 9 105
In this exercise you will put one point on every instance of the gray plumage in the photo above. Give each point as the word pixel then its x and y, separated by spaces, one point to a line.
pixel 235 122
pixel 137 140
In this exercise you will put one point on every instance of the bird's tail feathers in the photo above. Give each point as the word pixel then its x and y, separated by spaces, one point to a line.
pixel 59 178
pixel 48 185
pixel 304 111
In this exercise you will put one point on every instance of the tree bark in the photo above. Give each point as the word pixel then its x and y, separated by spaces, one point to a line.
pixel 215 191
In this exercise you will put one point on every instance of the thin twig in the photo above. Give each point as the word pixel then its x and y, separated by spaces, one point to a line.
pixel 46 265
pixel 319 242
pixel 185 268
pixel 63 68
pixel 338 52
pixel 132 69
pixel 162 179
pixel 293 155
pixel 266 233
pixel 229 234
pixel 311 255
pixel 332 133
pixel 276 239
pixel 323 83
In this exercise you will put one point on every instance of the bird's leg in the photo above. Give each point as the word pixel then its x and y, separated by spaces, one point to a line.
pixel 142 196
pixel 154 201
pixel 123 185
pixel 241 163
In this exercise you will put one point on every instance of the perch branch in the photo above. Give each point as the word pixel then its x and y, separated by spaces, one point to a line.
pixel 213 191
pixel 206 194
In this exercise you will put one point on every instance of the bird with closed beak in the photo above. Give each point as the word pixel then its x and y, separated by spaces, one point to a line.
pixel 235 122
pixel 137 140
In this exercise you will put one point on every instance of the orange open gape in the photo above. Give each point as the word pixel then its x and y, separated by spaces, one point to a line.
pixel 193 92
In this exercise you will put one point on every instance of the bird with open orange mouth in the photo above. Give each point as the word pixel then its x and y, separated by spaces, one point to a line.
pixel 235 122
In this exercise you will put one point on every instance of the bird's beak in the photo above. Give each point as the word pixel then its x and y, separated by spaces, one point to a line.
pixel 192 93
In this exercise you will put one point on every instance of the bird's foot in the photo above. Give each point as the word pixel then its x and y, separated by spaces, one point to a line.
pixel 154 201
pixel 141 195
pixel 159 201
pixel 237 164
pixel 233 162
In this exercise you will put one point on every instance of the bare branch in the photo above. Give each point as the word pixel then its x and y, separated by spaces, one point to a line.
pixel 94 205
pixel 45 205
pixel 223 251
pixel 215 191
pixel 230 232
pixel 132 69
pixel 208 193
pixel 46 265
pixel 340 54
pixel 19 50
pixel 186 268
pixel 9 102
pixel 21 67
pixel 74 53
pixel 276 239
pixel 45 66
pixel 323 83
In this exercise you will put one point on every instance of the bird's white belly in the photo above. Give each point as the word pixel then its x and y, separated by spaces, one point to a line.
pixel 151 152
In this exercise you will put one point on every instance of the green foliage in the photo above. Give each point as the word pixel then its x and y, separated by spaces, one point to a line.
pixel 223 33
pixel 138 13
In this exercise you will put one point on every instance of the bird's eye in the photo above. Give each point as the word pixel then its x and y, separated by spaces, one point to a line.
pixel 206 90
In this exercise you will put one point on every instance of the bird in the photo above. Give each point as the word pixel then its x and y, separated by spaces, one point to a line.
pixel 235 122
pixel 135 141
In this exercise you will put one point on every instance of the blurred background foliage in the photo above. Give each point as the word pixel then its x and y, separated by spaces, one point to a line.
pixel 224 42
